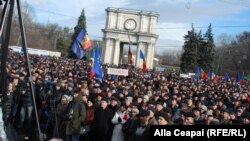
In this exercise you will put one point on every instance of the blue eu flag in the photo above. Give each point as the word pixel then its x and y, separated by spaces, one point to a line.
pixel 97 64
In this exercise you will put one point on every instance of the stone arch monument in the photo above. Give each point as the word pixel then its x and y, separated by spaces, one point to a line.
pixel 124 26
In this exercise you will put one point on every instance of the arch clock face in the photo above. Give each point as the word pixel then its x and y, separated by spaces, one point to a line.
pixel 130 24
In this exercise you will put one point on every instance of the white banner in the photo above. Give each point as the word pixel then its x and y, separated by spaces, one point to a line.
pixel 115 71
pixel 191 74
pixel 159 69
pixel 184 75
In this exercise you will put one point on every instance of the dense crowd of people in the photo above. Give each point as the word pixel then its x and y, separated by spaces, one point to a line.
pixel 73 106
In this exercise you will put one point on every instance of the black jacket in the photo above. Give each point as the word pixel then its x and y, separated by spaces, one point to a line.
pixel 102 121
pixel 8 106
pixel 26 98
pixel 129 130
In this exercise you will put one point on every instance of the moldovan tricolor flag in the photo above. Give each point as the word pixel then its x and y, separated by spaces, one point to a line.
pixel 144 64
pixel 81 44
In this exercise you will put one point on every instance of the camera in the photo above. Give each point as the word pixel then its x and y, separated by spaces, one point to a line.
pixel 70 114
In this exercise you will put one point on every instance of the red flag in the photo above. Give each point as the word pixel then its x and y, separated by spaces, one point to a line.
pixel 130 60
pixel 144 66
pixel 242 82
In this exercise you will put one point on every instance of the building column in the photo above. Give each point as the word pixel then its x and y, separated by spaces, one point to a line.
pixel 104 51
pixel 116 53
pixel 108 20
pixel 109 51
pixel 121 54
pixel 149 56
pixel 153 54
pixel 138 59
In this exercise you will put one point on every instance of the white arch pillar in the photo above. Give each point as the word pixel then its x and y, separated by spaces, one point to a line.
pixel 116 52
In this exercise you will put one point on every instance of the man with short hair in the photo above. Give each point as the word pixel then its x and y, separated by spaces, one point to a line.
pixel 189 118
pixel 139 129
pixel 102 121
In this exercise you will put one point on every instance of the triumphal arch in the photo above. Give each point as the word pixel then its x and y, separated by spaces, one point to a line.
pixel 125 26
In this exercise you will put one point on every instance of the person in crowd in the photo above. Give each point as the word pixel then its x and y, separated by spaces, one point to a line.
pixel 113 106
pixel 164 119
pixel 76 115
pixel 142 130
pixel 102 121
pixel 118 120
pixel 152 117
pixel 89 135
pixel 189 118
pixel 26 104
pixel 8 113
pixel 246 119
pixel 130 124
pixel 226 118
pixel 61 111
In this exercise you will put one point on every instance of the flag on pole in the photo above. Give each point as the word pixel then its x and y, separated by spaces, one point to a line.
pixel 97 69
pixel 203 74
pixel 211 75
pixel 242 81
pixel 144 64
pixel 130 59
pixel 81 44
pixel 240 78
pixel 198 70
pixel 226 76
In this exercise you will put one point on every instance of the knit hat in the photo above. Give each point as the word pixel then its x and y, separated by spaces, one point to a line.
pixel 67 97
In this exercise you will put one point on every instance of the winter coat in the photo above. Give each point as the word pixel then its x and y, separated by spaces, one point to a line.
pixel 8 105
pixel 76 116
pixel 102 121
pixel 39 95
pixel 112 113
pixel 90 115
pixel 26 98
pixel 131 129
pixel 57 95
pixel 61 111
pixel 118 121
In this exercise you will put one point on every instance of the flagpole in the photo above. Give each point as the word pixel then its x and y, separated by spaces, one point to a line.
pixel 28 67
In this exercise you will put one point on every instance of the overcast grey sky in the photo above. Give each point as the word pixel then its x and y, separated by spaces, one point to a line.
pixel 176 16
